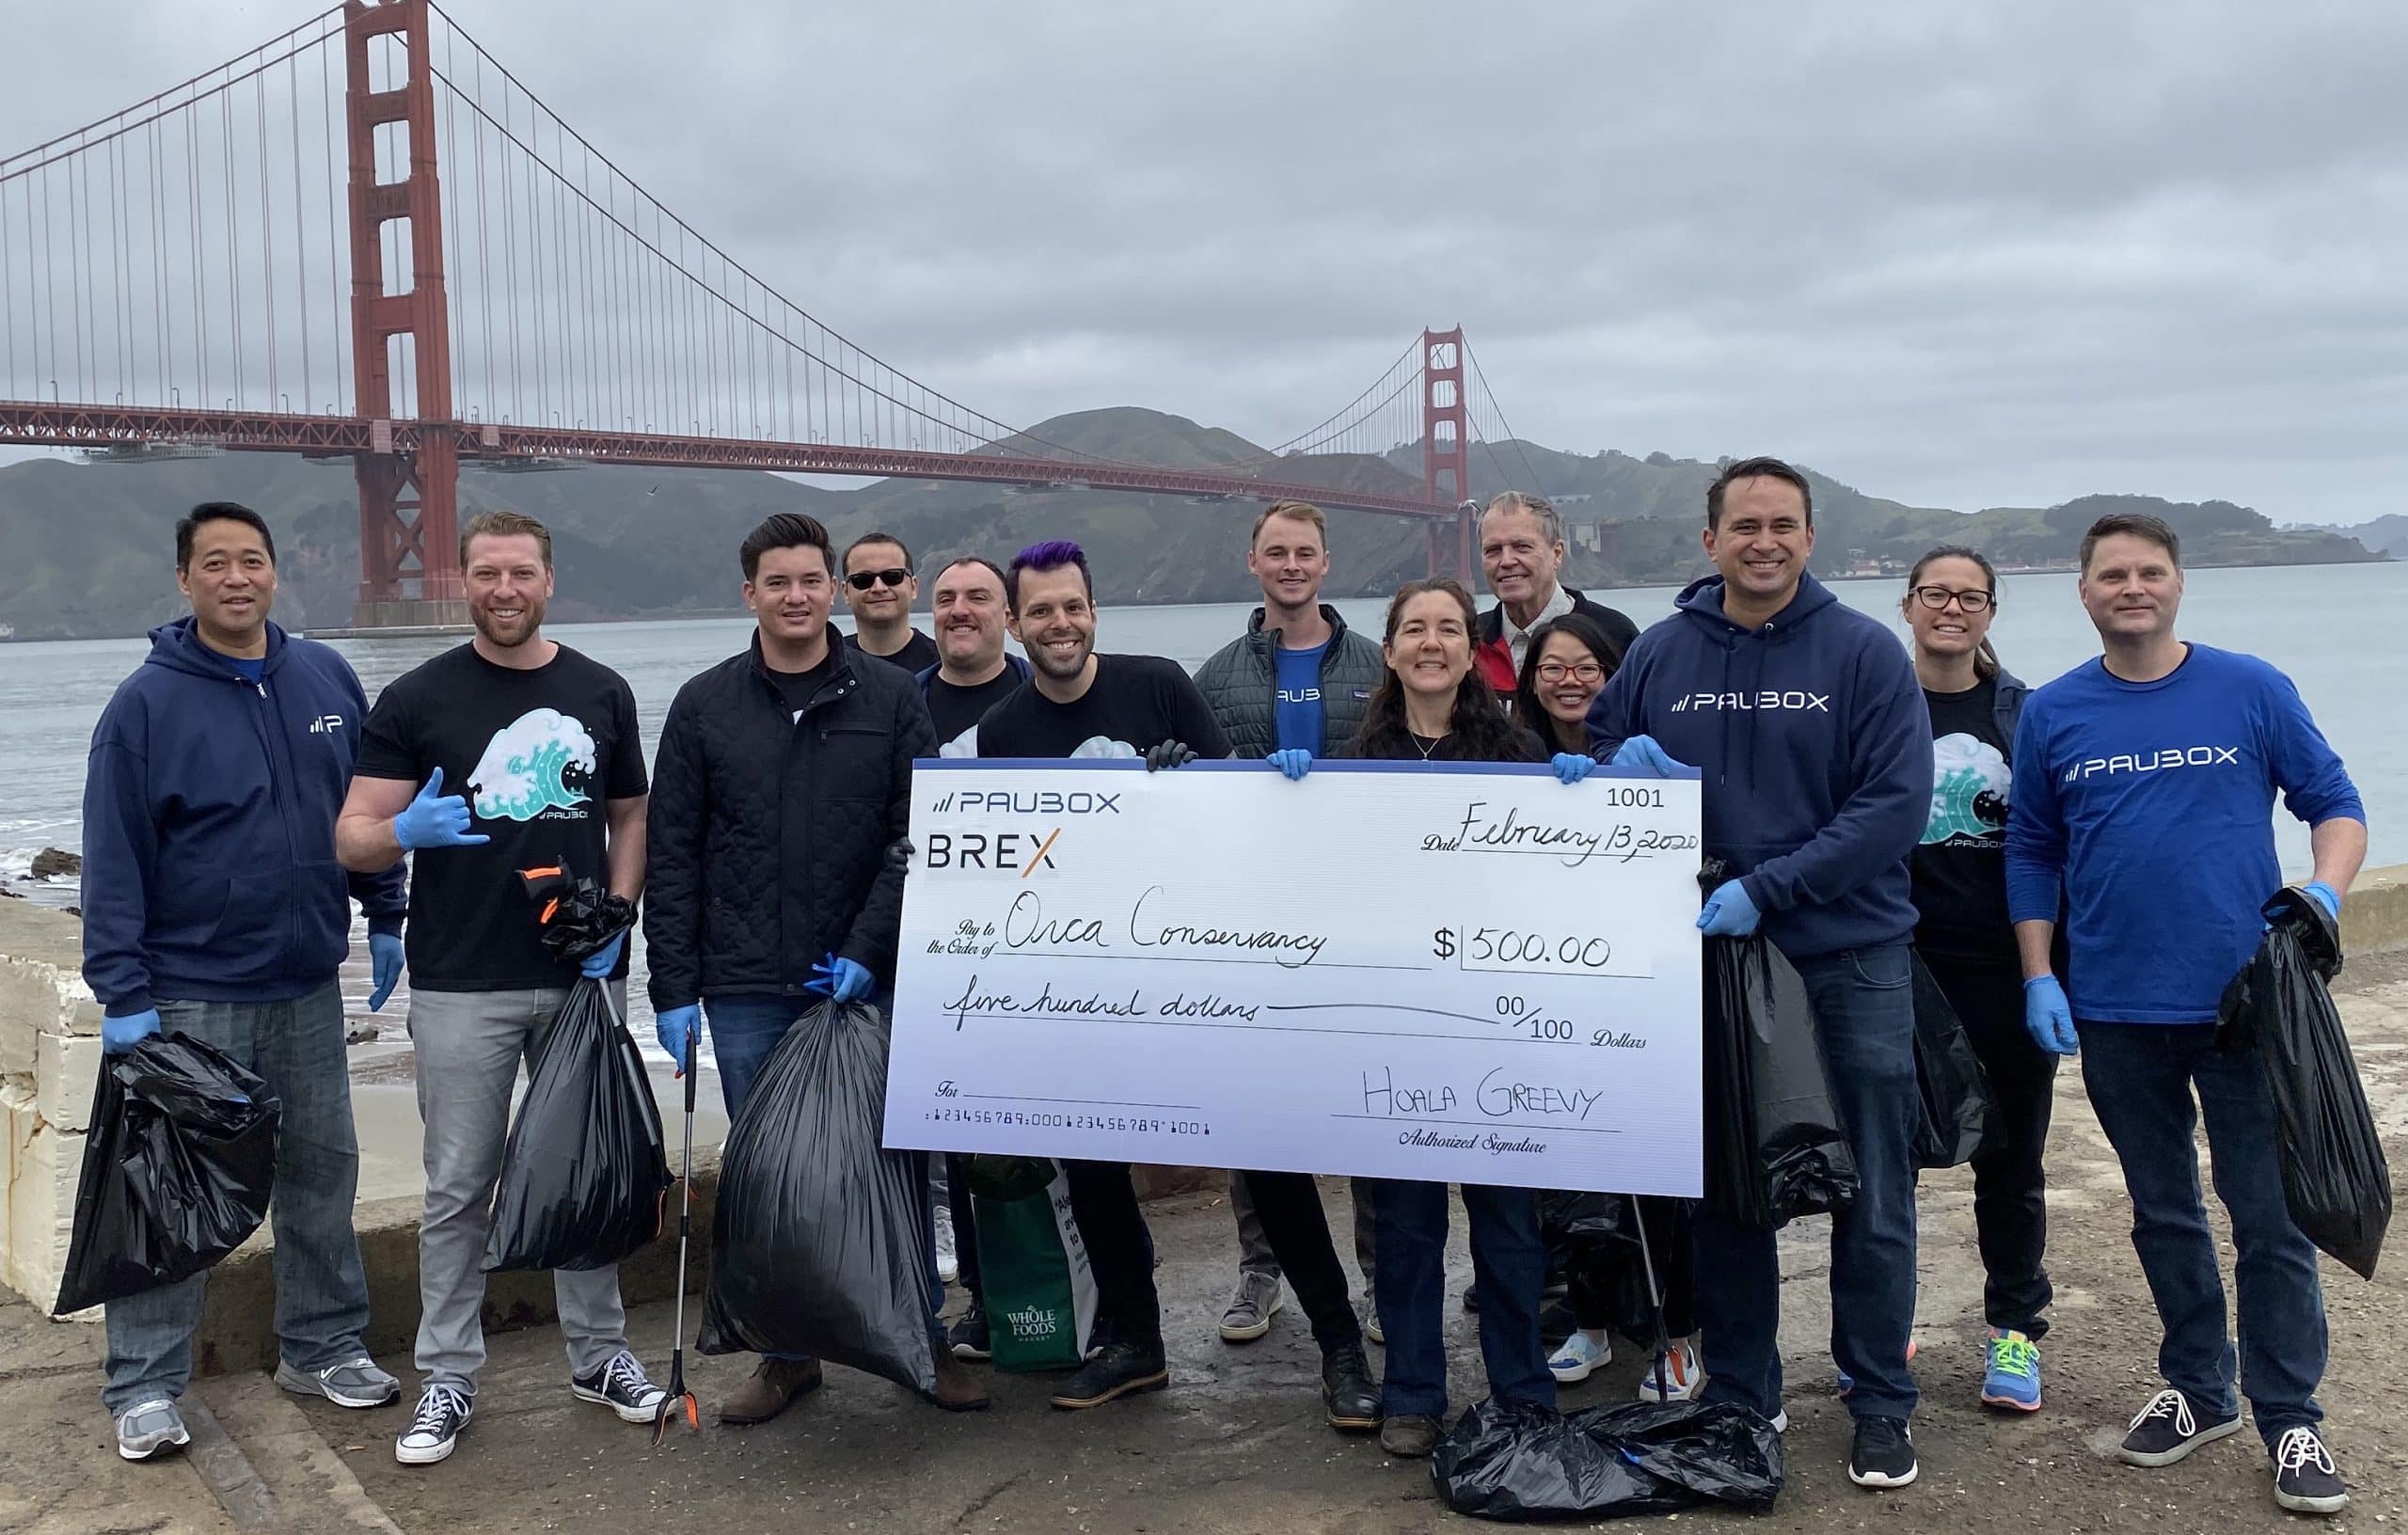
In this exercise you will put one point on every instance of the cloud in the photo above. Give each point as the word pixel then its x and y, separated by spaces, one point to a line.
pixel 1961 255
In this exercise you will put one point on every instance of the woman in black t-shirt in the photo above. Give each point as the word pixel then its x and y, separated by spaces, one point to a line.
pixel 1968 944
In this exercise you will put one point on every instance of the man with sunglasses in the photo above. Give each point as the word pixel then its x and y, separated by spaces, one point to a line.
pixel 879 588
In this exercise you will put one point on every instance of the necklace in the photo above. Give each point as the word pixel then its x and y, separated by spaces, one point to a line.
pixel 1425 751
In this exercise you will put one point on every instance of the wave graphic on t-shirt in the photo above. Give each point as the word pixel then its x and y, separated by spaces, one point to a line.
pixel 525 767
pixel 1104 746
pixel 1969 793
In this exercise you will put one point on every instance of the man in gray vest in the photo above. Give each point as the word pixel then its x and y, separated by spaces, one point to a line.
pixel 1296 682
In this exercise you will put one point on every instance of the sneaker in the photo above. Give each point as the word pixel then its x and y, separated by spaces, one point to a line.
pixel 620 1384
pixel 146 1428
pixel 969 1337
pixel 436 1426
pixel 1848 1381
pixel 1258 1299
pixel 1579 1357
pixel 2013 1379
pixel 1371 1328
pixel 2306 1479
pixel 2166 1430
pixel 1780 1421
pixel 1119 1369
pixel 1884 1454
pixel 1684 1376
pixel 355 1382
pixel 1347 1397
pixel 948 1253
pixel 1409 1437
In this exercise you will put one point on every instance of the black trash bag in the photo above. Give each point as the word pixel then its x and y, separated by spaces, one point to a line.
pixel 1567 1217
pixel 576 914
pixel 1775 1147
pixel 1523 1464
pixel 2334 1178
pixel 177 1164
pixel 584 1172
pixel 1957 1108
pixel 818 1244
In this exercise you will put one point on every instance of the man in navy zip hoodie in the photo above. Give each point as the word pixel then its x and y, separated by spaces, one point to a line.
pixel 1805 718
pixel 213 905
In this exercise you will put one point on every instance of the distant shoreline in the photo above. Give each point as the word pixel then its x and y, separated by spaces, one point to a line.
pixel 684 615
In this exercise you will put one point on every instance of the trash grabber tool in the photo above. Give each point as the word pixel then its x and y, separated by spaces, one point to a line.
pixel 678 1389
pixel 1654 1293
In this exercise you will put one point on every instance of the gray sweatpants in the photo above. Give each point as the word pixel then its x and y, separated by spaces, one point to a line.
pixel 470 1047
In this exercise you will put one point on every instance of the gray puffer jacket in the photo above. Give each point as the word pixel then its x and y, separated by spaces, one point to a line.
pixel 1241 681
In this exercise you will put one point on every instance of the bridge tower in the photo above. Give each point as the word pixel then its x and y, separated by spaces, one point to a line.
pixel 409 556
pixel 1446 455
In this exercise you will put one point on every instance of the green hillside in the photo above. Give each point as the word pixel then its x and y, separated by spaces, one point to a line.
pixel 85 548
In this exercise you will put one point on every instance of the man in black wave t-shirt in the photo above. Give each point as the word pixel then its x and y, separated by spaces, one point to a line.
pixel 1082 705
pixel 528 755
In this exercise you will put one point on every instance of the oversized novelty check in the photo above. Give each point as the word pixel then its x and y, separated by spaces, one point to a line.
pixel 1451 973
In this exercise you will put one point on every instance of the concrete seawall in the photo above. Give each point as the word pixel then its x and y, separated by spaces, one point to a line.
pixel 50 1058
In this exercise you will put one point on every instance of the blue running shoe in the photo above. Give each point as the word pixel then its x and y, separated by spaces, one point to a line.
pixel 2013 1379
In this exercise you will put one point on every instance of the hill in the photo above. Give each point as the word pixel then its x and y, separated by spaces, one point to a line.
pixel 2386 534
pixel 85 548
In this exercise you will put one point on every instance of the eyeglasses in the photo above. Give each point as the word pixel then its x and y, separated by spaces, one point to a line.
pixel 1936 598
pixel 862 580
pixel 1584 670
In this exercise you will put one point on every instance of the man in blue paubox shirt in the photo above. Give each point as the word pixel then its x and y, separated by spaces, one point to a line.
pixel 1810 728
pixel 214 906
pixel 2151 775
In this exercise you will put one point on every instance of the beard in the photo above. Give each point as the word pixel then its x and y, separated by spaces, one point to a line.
pixel 525 628
pixel 1061 669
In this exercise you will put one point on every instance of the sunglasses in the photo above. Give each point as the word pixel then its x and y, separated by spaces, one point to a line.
pixel 863 581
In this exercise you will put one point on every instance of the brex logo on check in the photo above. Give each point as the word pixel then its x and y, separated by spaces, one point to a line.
pixel 1004 853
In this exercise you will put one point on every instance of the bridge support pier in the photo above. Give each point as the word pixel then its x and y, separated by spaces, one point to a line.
pixel 409 557
pixel 1446 455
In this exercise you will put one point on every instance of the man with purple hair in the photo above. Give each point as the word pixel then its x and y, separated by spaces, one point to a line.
pixel 1077 704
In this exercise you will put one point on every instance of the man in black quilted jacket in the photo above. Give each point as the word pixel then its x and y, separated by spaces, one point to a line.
pixel 784 779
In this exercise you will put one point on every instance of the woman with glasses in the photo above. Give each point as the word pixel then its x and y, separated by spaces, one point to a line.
pixel 1968 944
pixel 1433 707
pixel 1567 665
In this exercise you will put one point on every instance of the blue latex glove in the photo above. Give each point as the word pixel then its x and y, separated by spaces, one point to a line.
pixel 384 967
pixel 2048 1016
pixel 675 1028
pixel 1642 751
pixel 841 979
pixel 435 820
pixel 598 965
pixel 1572 767
pixel 1728 911
pixel 1294 762
pixel 2325 896
pixel 120 1035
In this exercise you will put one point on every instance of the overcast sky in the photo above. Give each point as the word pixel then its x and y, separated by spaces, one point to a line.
pixel 1963 255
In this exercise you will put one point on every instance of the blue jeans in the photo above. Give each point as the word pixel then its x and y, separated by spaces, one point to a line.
pixel 321 1293
pixel 1509 1263
pixel 744 1030
pixel 2140 1078
pixel 1863 1003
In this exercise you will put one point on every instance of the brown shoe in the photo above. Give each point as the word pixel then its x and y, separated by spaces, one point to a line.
pixel 958 1390
pixel 773 1387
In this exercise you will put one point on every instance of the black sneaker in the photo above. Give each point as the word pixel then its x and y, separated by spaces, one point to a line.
pixel 1347 1394
pixel 1115 1371
pixel 969 1337
pixel 620 1384
pixel 2168 1429
pixel 435 1428
pixel 1884 1454
pixel 2306 1479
